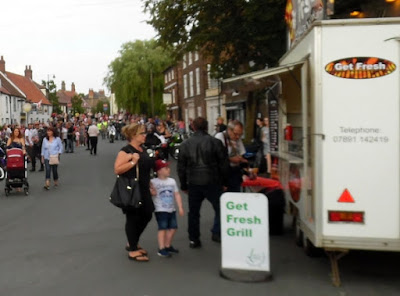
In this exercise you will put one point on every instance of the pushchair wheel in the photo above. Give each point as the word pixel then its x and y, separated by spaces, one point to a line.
pixel 2 174
pixel 26 191
pixel 7 191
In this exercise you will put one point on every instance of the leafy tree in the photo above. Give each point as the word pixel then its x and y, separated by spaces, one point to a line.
pixel 100 107
pixel 53 98
pixel 132 74
pixel 76 102
pixel 237 35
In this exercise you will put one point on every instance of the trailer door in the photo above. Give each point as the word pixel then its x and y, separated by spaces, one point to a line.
pixel 360 122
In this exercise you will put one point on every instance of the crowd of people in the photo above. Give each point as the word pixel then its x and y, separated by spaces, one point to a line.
pixel 208 165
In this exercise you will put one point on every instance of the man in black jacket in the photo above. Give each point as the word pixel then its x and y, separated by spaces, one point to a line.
pixel 203 170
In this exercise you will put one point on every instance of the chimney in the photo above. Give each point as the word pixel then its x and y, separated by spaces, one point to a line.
pixel 2 65
pixel 101 93
pixel 73 87
pixel 63 85
pixel 28 72
pixel 91 93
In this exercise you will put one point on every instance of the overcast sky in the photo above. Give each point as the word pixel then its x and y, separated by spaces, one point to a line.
pixel 74 40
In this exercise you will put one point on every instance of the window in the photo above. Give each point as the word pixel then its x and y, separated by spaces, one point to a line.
pixel 165 78
pixel 172 73
pixel 197 81
pixel 199 111
pixel 173 96
pixel 190 58
pixel 15 104
pixel 196 55
pixel 185 90
pixel 184 61
pixel 7 102
pixel 212 82
pixel 191 83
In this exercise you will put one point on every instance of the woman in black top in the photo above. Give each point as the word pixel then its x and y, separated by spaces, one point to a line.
pixel 128 158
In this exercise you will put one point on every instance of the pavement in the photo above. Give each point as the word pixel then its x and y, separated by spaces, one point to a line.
pixel 70 241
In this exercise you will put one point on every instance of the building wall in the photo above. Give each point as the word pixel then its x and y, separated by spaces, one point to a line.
pixel 42 114
pixel 193 103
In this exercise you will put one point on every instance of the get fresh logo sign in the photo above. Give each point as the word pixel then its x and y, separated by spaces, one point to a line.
pixel 360 68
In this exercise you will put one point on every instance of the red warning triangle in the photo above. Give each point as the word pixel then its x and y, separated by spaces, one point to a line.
pixel 346 197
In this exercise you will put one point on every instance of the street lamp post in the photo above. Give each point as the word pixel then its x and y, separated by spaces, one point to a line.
pixel 27 107
pixel 151 93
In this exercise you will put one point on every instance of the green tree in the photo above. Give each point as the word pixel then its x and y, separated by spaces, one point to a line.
pixel 52 95
pixel 100 107
pixel 237 35
pixel 76 102
pixel 136 76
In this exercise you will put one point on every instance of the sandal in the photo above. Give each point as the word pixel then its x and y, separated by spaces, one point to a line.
pixel 140 249
pixel 139 258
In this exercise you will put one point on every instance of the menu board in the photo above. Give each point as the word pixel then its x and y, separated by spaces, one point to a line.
pixel 273 108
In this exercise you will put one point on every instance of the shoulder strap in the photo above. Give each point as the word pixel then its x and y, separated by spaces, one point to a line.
pixel 137 164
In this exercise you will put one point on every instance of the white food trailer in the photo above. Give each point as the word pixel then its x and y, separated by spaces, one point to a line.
pixel 339 89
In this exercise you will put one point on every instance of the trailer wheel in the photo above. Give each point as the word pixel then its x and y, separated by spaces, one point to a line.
pixel 310 249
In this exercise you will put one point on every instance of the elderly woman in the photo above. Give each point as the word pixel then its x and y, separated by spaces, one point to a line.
pixel 128 158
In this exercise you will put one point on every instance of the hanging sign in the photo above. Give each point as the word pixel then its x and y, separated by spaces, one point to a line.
pixel 300 14
pixel 360 68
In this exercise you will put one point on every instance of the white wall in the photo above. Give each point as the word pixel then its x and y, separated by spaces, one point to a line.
pixel 5 115
pixel 42 115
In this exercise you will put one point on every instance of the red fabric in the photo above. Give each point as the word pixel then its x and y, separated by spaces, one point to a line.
pixel 15 159
pixel 262 182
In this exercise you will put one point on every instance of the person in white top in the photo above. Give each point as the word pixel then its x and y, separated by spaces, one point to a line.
pixel 93 133
pixel 231 139
pixel 64 134
pixel 8 132
pixel 28 141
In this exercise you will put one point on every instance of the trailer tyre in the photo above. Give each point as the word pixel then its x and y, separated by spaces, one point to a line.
pixel 310 249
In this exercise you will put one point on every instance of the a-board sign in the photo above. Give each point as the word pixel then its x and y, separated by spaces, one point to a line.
pixel 273 109
pixel 245 232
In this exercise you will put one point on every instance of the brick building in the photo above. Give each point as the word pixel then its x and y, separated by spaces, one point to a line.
pixel 190 92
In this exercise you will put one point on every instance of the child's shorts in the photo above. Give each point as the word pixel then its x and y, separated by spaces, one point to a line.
pixel 166 220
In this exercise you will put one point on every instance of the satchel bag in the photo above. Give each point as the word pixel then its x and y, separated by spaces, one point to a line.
pixel 54 160
pixel 126 192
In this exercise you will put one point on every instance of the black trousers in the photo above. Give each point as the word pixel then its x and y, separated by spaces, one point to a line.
pixel 93 145
pixel 235 179
pixel 197 193
pixel 136 222
pixel 34 152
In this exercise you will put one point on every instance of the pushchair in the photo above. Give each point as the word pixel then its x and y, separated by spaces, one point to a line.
pixel 16 174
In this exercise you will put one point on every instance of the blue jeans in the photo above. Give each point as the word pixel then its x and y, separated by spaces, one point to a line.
pixel 50 168
pixel 70 145
pixel 197 193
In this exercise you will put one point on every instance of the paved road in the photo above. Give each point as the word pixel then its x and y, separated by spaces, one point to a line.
pixel 70 241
